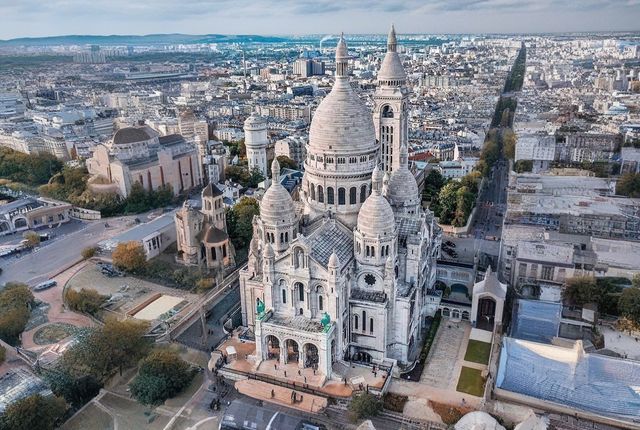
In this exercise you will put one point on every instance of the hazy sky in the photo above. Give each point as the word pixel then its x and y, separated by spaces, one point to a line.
pixel 21 18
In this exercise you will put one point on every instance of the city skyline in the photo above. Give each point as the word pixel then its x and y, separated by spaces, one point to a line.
pixel 267 17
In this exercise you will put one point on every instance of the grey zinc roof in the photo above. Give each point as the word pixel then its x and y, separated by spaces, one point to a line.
pixel 211 190
pixel 537 320
pixel 130 135
pixel 407 226
pixel 569 376
pixel 326 239
pixel 298 322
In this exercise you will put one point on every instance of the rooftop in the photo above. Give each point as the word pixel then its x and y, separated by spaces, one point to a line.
pixel 18 384
pixel 327 238
pixel 298 322
pixel 536 320
pixel 569 376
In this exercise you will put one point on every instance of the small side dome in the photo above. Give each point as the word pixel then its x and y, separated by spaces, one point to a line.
pixel 376 216
pixel 268 251
pixel 403 188
pixel 334 262
pixel 128 135
pixel 276 207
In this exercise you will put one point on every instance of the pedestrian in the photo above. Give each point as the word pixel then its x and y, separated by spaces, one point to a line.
pixel 299 372
pixel 273 393
pixel 275 366
pixel 285 373
pixel 305 379
pixel 314 370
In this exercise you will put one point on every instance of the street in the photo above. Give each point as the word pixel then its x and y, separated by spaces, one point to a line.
pixel 59 253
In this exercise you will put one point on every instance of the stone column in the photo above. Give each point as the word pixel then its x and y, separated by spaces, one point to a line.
pixel 283 353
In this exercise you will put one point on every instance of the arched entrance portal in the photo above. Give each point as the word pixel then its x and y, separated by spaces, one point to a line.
pixel 361 356
pixel 20 223
pixel 486 313
pixel 292 351
pixel 273 348
pixel 311 357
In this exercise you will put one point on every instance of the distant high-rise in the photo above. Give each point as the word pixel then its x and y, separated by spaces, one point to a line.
pixel 305 67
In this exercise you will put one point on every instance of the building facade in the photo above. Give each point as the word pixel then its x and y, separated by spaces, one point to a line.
pixel 256 141
pixel 342 274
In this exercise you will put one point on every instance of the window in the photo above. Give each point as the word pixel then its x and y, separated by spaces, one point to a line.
pixel 363 193
pixel 522 269
pixel 312 191
pixel 341 196
pixel 213 253
pixel 547 273
pixel 320 304
pixel 286 237
pixel 368 250
pixel 353 195
pixel 320 194
pixel 284 296
pixel 224 250
pixel 369 279
pixel 364 320
pixel 330 197
pixel 355 322
pixel 300 293
pixel 371 325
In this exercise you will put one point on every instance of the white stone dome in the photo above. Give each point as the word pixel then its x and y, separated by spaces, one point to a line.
pixel 276 207
pixel 391 68
pixel 342 123
pixel 402 188
pixel 376 216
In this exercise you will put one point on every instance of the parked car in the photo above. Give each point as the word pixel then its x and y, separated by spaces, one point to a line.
pixel 45 285
pixel 449 243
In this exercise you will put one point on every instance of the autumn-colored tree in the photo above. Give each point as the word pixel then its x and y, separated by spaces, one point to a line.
pixel 86 300
pixel 32 238
pixel 629 304
pixel 89 252
pixel 287 163
pixel 15 308
pixel 129 256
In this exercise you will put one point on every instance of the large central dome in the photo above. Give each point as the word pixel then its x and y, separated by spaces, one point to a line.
pixel 342 123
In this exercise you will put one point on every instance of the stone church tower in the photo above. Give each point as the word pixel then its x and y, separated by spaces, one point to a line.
pixel 390 106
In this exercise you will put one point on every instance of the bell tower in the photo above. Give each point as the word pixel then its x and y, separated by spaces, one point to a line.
pixel 390 106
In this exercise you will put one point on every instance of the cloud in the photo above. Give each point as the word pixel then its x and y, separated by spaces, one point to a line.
pixel 37 17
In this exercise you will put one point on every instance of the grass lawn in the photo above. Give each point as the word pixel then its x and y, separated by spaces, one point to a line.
pixel 471 382
pixel 478 352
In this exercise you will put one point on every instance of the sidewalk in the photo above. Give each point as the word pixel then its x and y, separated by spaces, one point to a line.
pixel 282 396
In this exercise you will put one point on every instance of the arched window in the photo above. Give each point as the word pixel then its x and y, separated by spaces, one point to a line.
pixel 320 304
pixel 330 197
pixel 281 237
pixel 355 322
pixel 387 112
pixel 341 196
pixel 373 251
pixel 286 237
pixel 363 193
pixel 368 250
pixel 300 293
pixel 284 296
pixel 371 325
pixel 353 195
pixel 213 253
pixel 312 191
pixel 364 320
pixel 320 194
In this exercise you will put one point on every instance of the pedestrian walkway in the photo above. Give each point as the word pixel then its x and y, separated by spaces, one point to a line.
pixel 281 395
pixel 442 369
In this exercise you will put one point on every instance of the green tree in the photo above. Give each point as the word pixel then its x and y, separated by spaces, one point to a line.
pixel 76 391
pixel 464 204
pixel 365 405
pixel 162 375
pixel 30 169
pixel 629 304
pixel 3 354
pixel 447 202
pixel 255 177
pixel 16 300
pixel 33 412
pixel 433 183
pixel 130 257
pixel 240 222
pixel 287 163
pixel 509 140
pixel 580 290
pixel 629 185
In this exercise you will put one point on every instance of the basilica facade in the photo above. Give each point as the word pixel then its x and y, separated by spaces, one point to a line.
pixel 343 274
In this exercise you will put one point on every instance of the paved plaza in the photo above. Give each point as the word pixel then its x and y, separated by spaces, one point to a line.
pixel 443 364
